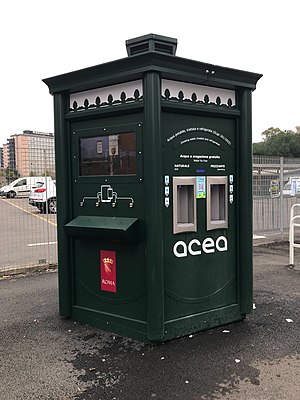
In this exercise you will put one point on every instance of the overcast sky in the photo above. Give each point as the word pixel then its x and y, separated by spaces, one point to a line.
pixel 40 39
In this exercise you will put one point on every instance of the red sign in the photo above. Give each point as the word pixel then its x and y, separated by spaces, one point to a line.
pixel 108 270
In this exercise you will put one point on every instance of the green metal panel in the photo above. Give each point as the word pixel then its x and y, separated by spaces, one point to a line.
pixel 116 228
pixel 102 225
pixel 128 302
pixel 201 283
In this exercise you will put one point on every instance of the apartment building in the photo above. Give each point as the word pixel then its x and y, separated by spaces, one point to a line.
pixel 30 153
pixel 5 156
pixel 2 173
pixel 1 157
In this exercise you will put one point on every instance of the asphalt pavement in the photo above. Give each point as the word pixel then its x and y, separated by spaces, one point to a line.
pixel 27 237
pixel 43 356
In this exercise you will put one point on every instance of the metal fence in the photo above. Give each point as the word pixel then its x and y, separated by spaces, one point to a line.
pixel 276 187
pixel 28 237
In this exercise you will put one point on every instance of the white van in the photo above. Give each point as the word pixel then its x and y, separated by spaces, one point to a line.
pixel 22 186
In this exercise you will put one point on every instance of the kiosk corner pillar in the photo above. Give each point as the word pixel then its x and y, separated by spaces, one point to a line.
pixel 62 145
pixel 154 248
pixel 245 210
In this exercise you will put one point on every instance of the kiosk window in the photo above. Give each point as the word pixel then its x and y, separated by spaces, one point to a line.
pixel 108 155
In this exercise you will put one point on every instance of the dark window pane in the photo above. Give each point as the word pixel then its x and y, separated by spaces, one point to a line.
pixel 108 155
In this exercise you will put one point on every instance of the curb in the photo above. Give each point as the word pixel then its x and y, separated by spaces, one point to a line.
pixel 23 270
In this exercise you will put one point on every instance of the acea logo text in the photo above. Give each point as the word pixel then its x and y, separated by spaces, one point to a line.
pixel 195 247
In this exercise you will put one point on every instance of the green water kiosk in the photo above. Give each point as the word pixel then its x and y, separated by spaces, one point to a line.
pixel 154 194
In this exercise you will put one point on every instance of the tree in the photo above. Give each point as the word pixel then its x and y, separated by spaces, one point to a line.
pixel 11 174
pixel 269 133
pixel 278 143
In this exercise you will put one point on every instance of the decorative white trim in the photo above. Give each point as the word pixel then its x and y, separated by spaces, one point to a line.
pixel 115 90
pixel 200 90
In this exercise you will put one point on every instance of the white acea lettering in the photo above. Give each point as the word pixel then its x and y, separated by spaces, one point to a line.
pixel 208 245
pixel 194 252
pixel 183 252
pixel 194 247
pixel 219 242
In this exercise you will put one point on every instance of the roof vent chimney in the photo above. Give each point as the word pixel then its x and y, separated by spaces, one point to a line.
pixel 151 43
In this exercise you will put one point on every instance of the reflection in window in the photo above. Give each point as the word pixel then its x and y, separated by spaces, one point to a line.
pixel 108 155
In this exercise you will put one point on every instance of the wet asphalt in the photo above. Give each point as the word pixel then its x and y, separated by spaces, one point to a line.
pixel 43 356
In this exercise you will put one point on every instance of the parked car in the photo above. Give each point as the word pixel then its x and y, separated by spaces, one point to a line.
pixel 43 196
pixel 287 189
pixel 22 186
pixel 292 187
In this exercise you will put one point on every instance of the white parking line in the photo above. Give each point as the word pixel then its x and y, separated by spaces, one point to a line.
pixel 40 244
pixel 30 213
pixel 258 237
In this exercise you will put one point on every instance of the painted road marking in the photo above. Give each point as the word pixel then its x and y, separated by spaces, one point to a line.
pixel 258 237
pixel 40 244
pixel 30 213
